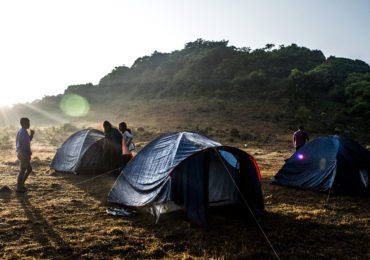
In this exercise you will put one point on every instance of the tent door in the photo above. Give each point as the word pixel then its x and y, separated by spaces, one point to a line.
pixel 221 186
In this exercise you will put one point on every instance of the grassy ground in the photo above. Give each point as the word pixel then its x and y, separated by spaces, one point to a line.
pixel 64 215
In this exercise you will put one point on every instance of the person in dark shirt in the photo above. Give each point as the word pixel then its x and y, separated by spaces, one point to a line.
pixel 112 148
pixel 299 138
pixel 23 148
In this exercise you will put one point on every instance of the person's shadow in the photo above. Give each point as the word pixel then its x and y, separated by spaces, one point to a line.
pixel 52 244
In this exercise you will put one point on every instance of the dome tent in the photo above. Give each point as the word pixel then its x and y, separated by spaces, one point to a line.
pixel 191 172
pixel 81 152
pixel 334 164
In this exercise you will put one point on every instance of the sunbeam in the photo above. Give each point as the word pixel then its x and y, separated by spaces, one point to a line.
pixel 13 116
pixel 4 120
pixel 53 117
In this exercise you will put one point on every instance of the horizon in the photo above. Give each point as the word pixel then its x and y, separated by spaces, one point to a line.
pixel 50 46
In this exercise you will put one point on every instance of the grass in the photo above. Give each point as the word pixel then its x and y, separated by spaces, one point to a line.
pixel 64 216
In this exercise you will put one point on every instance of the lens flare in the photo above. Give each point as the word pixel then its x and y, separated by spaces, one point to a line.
pixel 74 105
pixel 300 156
pixel 322 163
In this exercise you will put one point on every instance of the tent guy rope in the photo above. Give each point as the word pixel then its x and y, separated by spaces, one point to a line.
pixel 97 176
pixel 246 203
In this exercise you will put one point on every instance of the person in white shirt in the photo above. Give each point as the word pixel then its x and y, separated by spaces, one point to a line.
pixel 127 144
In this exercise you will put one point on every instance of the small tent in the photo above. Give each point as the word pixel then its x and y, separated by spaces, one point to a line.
pixel 81 152
pixel 189 171
pixel 334 164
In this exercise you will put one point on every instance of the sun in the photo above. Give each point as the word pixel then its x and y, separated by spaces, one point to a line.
pixel 6 101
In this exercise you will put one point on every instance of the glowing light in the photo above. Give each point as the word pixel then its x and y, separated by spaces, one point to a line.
pixel 74 105
pixel 300 156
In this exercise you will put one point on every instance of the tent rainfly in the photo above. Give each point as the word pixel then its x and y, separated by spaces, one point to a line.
pixel 334 164
pixel 189 171
pixel 81 152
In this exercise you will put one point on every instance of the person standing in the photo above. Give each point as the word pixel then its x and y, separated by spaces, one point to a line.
pixel 127 145
pixel 112 145
pixel 23 149
pixel 299 138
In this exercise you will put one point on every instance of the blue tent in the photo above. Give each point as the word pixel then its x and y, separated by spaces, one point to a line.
pixel 81 152
pixel 192 172
pixel 334 164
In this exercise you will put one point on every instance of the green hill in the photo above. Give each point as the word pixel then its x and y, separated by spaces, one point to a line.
pixel 285 84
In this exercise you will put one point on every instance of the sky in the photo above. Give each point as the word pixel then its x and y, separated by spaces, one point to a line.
pixel 48 45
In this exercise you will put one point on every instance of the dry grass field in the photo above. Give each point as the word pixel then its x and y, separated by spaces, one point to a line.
pixel 63 216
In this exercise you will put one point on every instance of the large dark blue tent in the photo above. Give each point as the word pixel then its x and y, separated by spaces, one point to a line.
pixel 334 164
pixel 191 172
pixel 81 152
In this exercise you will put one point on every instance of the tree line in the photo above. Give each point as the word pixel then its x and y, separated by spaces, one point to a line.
pixel 333 93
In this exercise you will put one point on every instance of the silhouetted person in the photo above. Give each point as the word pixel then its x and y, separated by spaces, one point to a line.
pixel 112 145
pixel 299 138
pixel 127 145
pixel 23 148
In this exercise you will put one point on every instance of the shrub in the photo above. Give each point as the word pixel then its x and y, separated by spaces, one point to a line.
pixel 5 142
pixel 67 127
pixel 234 133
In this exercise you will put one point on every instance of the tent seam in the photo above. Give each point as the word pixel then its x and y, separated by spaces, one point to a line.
pixel 79 152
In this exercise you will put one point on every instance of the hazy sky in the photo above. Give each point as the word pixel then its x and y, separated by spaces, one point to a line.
pixel 47 45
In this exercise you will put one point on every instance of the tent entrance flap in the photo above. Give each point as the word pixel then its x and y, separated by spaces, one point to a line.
pixel 221 186
pixel 187 187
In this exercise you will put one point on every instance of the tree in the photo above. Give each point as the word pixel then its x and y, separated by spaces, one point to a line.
pixel 269 46
pixel 358 92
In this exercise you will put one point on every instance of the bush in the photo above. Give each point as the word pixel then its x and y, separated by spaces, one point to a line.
pixel 234 133
pixel 303 114
pixel 5 142
pixel 67 127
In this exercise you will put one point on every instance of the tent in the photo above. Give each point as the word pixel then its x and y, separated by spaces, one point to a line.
pixel 334 164
pixel 81 152
pixel 189 171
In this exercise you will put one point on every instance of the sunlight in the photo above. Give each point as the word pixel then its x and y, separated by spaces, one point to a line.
pixel 53 117
pixel 8 116
pixel 8 99
pixel 4 117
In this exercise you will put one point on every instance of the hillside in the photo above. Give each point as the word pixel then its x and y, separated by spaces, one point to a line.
pixel 284 86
